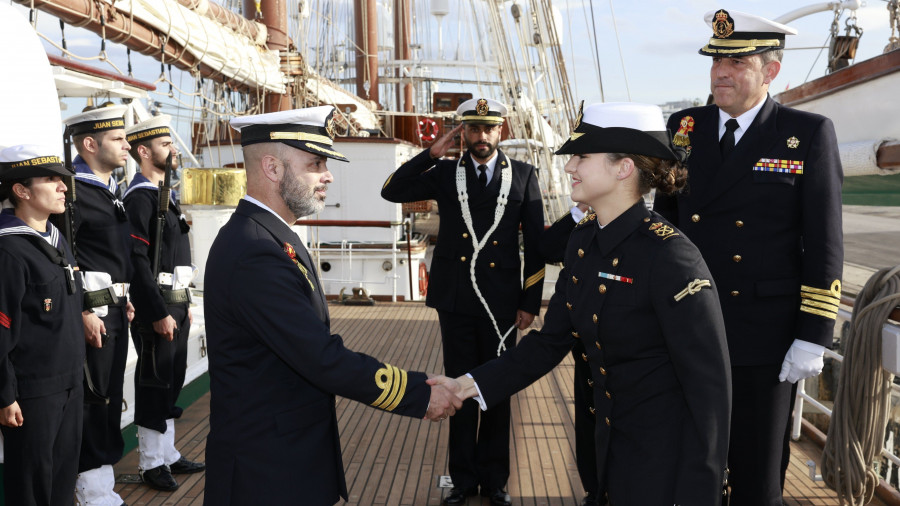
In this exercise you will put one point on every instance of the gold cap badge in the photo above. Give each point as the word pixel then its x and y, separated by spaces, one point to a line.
pixel 481 108
pixel 723 25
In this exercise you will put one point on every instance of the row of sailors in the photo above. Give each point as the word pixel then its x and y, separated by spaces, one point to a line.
pixel 67 301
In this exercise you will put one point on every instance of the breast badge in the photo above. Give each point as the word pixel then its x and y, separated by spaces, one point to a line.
pixel 681 138
pixel 614 277
pixel 293 256
pixel 48 305
pixel 793 142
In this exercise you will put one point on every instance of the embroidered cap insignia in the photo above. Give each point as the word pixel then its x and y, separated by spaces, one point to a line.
pixel 723 25
pixel 481 107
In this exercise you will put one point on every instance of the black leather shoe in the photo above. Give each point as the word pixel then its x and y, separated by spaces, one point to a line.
pixel 590 500
pixel 498 497
pixel 159 478
pixel 458 496
pixel 185 466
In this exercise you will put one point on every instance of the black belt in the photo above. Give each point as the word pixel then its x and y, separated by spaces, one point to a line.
pixel 103 297
pixel 176 296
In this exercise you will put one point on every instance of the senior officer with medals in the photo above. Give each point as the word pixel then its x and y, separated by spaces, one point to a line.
pixel 41 336
pixel 476 277
pixel 638 295
pixel 159 290
pixel 764 208
pixel 102 247
pixel 274 364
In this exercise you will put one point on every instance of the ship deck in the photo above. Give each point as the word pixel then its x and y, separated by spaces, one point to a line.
pixel 394 460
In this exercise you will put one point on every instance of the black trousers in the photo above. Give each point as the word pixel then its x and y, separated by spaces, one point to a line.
pixel 41 455
pixel 101 442
pixel 153 406
pixel 478 454
pixel 759 449
pixel 585 448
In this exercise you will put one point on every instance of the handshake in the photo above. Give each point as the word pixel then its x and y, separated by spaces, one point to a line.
pixel 447 395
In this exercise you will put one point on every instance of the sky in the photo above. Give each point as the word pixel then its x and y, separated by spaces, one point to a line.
pixel 659 40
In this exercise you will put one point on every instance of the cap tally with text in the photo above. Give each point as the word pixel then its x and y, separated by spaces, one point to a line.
pixel 620 127
pixel 310 129
pixel 482 111
pixel 97 120
pixel 740 34
pixel 29 160
pixel 157 126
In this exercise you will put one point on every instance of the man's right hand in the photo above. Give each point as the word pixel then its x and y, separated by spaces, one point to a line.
pixel 11 416
pixel 93 329
pixel 166 327
pixel 443 402
pixel 442 145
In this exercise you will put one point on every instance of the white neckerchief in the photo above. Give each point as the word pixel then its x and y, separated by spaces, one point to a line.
pixel 252 200
pixel 490 165
pixel 477 245
pixel 744 120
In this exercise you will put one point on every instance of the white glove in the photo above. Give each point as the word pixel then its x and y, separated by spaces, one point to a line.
pixel 802 360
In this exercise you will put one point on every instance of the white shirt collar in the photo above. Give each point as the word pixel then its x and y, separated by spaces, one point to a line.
pixel 744 120
pixel 252 200
pixel 490 165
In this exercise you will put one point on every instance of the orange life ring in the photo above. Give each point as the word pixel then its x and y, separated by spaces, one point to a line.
pixel 427 130
pixel 423 279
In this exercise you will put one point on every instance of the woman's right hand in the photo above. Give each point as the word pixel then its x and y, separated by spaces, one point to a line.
pixel 442 145
pixel 11 416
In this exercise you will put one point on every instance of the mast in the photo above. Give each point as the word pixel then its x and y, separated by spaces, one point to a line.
pixel 365 20
pixel 403 125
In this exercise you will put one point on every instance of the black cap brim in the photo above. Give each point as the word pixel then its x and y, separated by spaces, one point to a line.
pixel 594 139
pixel 35 171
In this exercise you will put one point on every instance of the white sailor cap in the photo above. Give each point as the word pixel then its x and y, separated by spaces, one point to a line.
pixel 310 129
pixel 620 127
pixel 109 117
pixel 157 126
pixel 740 34
pixel 482 110
pixel 29 160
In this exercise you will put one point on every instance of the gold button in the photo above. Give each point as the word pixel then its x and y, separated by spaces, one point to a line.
pixel 735 293
pixel 602 288
pixel 580 253
pixel 607 420
pixel 608 395
pixel 646 220
pixel 584 357
pixel 574 280
pixel 465 235
pixel 575 334
pixel 739 223
pixel 736 258
pixel 569 305
pixel 603 371
pixel 495 243
pixel 591 383
pixel 598 345
pixel 595 318
pixel 593 410
pixel 462 259
pixel 492 265
pixel 615 262
pixel 695 218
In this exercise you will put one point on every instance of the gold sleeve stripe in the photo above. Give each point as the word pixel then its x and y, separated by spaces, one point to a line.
pixel 400 391
pixel 392 382
pixel 821 305
pixel 535 278
pixel 824 314
pixel 835 290
pixel 388 181
pixel 824 298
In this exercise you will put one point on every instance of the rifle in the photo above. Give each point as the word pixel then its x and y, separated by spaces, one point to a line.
pixel 67 222
pixel 148 375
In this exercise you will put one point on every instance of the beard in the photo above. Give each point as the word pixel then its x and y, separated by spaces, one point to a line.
pixel 483 150
pixel 299 198
pixel 160 162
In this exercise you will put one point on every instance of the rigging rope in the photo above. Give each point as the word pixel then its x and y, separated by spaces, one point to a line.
pixel 863 399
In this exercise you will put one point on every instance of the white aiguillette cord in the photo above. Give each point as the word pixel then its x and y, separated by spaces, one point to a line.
pixel 505 184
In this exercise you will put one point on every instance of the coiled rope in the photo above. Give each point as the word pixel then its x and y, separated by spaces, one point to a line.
pixel 863 399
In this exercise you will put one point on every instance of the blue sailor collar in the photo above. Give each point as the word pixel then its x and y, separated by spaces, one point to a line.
pixel 10 224
pixel 84 174
pixel 140 181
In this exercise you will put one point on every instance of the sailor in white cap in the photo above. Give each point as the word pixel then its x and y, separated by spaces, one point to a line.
pixel 102 246
pixel 476 276
pixel 764 208
pixel 274 364
pixel 41 336
pixel 162 302
pixel 637 294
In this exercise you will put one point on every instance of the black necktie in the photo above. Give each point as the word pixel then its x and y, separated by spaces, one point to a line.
pixel 726 143
pixel 482 175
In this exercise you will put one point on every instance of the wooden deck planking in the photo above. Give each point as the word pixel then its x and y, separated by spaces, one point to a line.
pixel 394 460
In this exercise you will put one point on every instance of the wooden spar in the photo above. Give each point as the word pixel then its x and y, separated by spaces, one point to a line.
pixel 94 71
pixel 365 19
pixel 404 126
pixel 226 18
pixel 273 14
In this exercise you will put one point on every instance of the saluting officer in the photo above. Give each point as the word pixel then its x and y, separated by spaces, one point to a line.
pixel 41 339
pixel 162 319
pixel 102 247
pixel 764 208
pixel 476 276
pixel 637 293
pixel 274 364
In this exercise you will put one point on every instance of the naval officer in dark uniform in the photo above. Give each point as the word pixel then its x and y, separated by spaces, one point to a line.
pixel 41 339
pixel 161 303
pixel 102 248
pixel 476 281
pixel 274 364
pixel 764 208
pixel 637 293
